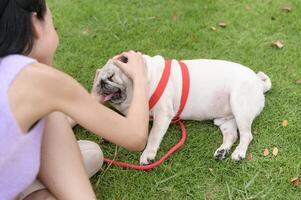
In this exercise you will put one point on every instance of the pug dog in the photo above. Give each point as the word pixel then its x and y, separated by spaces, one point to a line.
pixel 228 93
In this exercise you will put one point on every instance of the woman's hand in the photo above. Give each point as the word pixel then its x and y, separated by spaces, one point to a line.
pixel 134 67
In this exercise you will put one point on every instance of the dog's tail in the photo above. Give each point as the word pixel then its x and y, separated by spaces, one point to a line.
pixel 267 83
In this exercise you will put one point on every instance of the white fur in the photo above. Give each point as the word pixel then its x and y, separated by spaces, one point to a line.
pixel 229 93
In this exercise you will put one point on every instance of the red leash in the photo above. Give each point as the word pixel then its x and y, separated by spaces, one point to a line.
pixel 152 102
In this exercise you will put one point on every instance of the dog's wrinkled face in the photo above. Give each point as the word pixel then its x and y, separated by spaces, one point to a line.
pixel 111 84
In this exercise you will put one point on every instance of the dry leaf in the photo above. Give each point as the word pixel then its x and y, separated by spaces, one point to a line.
pixel 222 24
pixel 278 44
pixel 286 8
pixel 298 82
pixel 174 18
pixel 209 196
pixel 266 152
pixel 275 151
pixel 248 7
pixel 213 28
pixel 295 181
pixel 250 156
pixel 285 123
pixel 194 38
pixel 87 31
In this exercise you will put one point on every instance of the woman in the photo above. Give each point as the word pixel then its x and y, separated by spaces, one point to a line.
pixel 35 99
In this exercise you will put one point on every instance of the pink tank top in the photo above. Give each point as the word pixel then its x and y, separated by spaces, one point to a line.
pixel 19 152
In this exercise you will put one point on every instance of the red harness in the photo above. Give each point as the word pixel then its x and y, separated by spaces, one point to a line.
pixel 152 102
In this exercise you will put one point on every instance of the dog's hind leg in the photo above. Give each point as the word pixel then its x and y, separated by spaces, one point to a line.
pixel 246 103
pixel 160 125
pixel 228 128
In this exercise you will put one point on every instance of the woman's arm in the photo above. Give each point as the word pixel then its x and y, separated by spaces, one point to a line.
pixel 130 131
pixel 56 91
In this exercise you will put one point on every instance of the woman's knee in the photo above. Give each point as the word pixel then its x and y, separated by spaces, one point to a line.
pixel 40 195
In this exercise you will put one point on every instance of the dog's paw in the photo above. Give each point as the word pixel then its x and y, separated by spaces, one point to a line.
pixel 147 157
pixel 238 155
pixel 220 154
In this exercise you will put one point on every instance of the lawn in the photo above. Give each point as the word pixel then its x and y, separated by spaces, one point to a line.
pixel 92 31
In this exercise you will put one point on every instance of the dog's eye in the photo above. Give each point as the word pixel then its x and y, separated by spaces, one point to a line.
pixel 111 77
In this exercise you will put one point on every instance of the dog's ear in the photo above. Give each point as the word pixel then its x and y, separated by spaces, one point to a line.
pixel 97 73
pixel 95 82
pixel 99 98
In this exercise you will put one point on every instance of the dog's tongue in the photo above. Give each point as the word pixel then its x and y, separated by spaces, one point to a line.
pixel 107 97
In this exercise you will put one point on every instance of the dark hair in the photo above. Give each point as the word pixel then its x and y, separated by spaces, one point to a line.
pixel 16 32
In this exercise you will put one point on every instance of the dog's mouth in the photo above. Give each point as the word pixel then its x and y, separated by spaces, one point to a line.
pixel 113 96
pixel 111 92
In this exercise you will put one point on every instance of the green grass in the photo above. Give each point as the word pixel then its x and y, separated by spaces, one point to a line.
pixel 92 31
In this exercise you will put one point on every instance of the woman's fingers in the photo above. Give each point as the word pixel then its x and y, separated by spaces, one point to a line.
pixel 119 63
pixel 126 54
pixel 134 66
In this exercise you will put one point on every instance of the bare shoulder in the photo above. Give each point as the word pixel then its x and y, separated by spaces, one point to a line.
pixel 40 81
pixel 45 78
pixel 42 74
pixel 32 94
